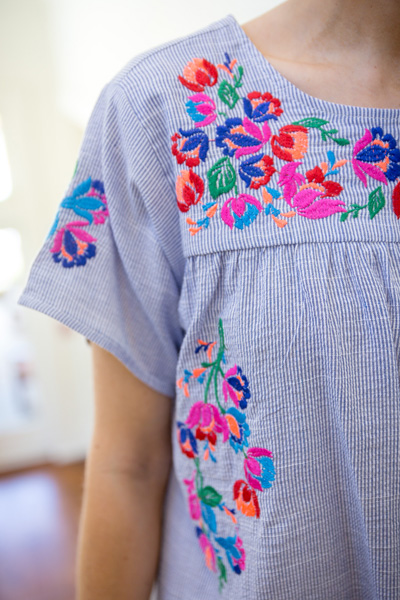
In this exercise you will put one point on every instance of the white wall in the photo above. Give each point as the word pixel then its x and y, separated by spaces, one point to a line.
pixel 55 56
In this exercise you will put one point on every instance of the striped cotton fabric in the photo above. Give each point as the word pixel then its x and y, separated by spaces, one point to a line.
pixel 309 310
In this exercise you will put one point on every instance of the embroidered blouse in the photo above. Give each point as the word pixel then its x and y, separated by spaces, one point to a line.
pixel 234 241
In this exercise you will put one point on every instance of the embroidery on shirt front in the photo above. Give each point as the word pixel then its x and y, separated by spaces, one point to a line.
pixel 73 245
pixel 206 424
pixel 315 194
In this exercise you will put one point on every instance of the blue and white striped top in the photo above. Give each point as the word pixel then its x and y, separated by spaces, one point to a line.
pixel 234 241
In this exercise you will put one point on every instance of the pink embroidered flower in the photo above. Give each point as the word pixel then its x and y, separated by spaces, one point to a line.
pixel 291 143
pixel 193 499
pixel 245 209
pixel 259 468
pixel 238 563
pixel 260 107
pixel 198 74
pixel 73 245
pixel 209 422
pixel 201 108
pixel 311 200
pixel 241 136
pixel 236 385
pixel 246 499
pixel 189 189
pixel 208 550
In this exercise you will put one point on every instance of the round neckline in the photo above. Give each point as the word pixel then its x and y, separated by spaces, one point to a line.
pixel 309 101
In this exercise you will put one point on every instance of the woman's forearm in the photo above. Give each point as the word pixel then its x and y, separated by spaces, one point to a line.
pixel 119 534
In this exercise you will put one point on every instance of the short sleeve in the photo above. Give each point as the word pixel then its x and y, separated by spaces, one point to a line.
pixel 105 269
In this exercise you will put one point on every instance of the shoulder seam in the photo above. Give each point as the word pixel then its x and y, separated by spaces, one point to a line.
pixel 120 86
pixel 174 43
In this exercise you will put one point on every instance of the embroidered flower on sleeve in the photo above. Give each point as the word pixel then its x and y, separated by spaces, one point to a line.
pixel 73 245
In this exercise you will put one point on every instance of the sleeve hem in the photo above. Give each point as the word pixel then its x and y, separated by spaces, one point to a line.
pixel 96 336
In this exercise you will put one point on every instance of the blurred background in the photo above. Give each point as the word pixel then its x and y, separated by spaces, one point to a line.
pixel 55 57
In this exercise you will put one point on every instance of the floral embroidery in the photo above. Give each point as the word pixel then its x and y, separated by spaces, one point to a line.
pixel 376 155
pixel 73 245
pixel 211 425
pixel 198 74
pixel 255 148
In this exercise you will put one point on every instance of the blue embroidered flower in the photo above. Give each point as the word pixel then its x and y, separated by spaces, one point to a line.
pixel 190 146
pixel 259 468
pixel 239 430
pixel 87 200
pixel 202 109
pixel 257 170
pixel 376 155
pixel 73 245
pixel 186 440
pixel 261 107
pixel 235 553
pixel 241 136
pixel 236 385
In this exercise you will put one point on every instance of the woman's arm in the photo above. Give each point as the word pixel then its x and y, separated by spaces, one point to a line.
pixel 126 474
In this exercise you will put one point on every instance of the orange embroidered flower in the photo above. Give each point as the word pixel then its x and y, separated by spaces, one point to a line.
pixel 189 189
pixel 291 143
pixel 246 499
pixel 198 74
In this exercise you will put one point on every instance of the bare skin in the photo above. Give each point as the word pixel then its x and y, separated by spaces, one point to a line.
pixel 343 51
pixel 126 475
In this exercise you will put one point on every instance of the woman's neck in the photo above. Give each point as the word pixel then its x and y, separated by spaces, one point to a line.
pixel 333 32
pixel 350 27
pixel 345 51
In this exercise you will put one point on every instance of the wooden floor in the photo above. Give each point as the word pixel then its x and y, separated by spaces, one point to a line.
pixel 39 515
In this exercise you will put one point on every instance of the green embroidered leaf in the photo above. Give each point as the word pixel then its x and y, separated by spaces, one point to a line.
pixel 236 80
pixel 344 216
pixel 341 141
pixel 221 177
pixel 210 496
pixel 376 201
pixel 311 122
pixel 228 93
pixel 222 572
